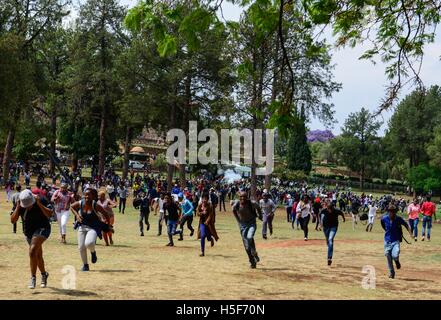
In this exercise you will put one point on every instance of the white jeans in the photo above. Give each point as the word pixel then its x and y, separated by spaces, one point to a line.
pixel 62 218
pixel 86 240
pixel 371 219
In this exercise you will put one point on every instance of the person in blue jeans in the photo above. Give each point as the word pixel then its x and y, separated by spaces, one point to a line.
pixel 246 211
pixel 393 235
pixel 207 229
pixel 173 211
pixel 187 213
pixel 329 223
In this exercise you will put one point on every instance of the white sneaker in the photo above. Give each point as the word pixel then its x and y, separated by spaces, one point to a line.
pixel 32 283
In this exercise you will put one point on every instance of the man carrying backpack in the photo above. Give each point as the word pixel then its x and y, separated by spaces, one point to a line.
pixel 393 235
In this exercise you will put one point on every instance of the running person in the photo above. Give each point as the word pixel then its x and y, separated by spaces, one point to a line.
pixel 246 211
pixel 89 225
pixel 393 235
pixel 329 222
pixel 371 215
pixel 268 208
pixel 316 207
pixel 37 229
pixel 62 200
pixel 355 206
pixel 173 211
pixel 288 207
pixel 160 205
pixel 428 210
pixel 144 212
pixel 123 193
pixel 304 214
pixel 187 214
pixel 15 200
pixel 413 210
pixel 107 205
pixel 206 228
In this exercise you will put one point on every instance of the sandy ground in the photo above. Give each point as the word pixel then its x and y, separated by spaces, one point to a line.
pixel 143 268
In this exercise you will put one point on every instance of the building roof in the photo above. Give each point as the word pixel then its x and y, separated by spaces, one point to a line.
pixel 137 150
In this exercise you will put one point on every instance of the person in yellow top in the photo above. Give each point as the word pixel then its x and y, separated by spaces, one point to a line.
pixel 136 188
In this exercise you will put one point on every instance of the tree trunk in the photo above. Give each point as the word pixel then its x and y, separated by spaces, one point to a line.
pixel 102 149
pixel 253 188
pixel 185 126
pixel 74 161
pixel 54 138
pixel 8 153
pixel 126 152
pixel 170 167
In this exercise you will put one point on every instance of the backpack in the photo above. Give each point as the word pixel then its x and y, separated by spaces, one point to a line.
pixel 136 203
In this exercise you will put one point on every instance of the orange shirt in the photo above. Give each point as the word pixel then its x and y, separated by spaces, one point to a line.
pixel 428 208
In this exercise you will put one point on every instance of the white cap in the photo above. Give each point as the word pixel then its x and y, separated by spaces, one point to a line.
pixel 27 199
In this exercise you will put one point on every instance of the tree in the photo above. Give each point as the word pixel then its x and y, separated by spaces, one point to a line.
pixel 411 126
pixel 358 144
pixel 434 148
pixel 299 155
pixel 28 21
pixel 424 178
pixel 101 37
pixel 196 81
pixel 16 91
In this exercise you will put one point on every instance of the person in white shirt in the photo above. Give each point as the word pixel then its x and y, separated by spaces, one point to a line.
pixel 158 203
pixel 111 191
pixel 304 214
pixel 371 216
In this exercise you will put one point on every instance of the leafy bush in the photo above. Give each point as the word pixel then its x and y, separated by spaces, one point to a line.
pixel 117 162
pixel 287 174
pixel 160 163
pixel 424 178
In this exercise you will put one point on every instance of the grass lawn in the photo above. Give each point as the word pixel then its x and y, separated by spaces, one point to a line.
pixel 290 268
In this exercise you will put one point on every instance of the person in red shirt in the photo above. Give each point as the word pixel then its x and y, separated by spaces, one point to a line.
pixel 428 209
pixel 39 191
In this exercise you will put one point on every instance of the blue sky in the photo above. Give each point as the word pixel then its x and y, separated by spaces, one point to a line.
pixel 363 83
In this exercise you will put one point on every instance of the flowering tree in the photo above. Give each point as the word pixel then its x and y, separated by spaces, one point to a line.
pixel 320 135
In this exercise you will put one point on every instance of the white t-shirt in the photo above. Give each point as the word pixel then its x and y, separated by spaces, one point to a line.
pixel 110 189
pixel 160 203
pixel 372 210
pixel 305 211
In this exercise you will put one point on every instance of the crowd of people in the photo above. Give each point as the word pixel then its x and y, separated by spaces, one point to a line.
pixel 92 203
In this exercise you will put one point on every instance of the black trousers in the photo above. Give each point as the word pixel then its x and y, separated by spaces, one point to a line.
pixel 304 225
pixel 144 216
pixel 189 219
pixel 122 203
pixel 222 202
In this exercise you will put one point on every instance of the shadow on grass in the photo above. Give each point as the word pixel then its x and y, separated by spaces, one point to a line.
pixel 111 271
pixel 221 256
pixel 272 269
pixel 73 292
pixel 422 280
pixel 118 246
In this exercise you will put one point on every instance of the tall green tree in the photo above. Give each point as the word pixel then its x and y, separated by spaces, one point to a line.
pixel 298 153
pixel 100 39
pixel 412 125
pixel 358 144
pixel 28 20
